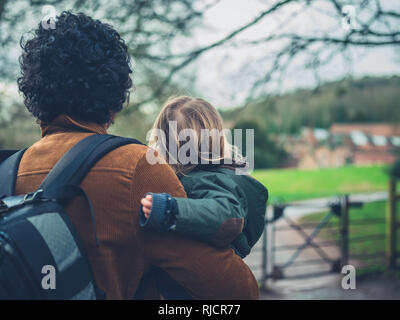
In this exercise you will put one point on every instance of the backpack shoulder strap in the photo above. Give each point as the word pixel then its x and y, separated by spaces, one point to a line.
pixel 8 173
pixel 62 182
pixel 76 163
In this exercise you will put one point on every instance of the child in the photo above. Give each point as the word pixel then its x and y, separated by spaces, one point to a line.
pixel 222 208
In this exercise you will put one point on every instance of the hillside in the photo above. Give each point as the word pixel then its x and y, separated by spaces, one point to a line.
pixel 348 100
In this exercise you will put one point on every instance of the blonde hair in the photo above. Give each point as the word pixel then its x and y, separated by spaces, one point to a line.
pixel 195 114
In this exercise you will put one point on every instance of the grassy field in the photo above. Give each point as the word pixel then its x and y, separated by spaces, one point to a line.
pixel 293 184
pixel 374 246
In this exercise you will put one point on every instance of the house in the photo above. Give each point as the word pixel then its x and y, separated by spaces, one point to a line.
pixel 341 144
pixel 375 143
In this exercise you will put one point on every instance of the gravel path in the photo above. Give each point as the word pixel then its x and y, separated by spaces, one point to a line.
pixel 378 287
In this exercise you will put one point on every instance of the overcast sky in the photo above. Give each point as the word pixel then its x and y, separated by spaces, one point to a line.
pixel 224 75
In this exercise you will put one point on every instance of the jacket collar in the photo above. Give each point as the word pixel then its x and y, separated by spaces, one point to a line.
pixel 64 123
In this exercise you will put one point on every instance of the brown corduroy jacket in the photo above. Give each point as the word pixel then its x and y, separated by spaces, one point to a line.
pixel 115 186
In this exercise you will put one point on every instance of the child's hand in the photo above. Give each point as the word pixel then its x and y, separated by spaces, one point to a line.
pixel 147 203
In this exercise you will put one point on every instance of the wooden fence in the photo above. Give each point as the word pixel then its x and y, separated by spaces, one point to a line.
pixel 392 225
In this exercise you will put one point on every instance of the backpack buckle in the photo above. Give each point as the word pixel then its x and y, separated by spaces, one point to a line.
pixel 33 196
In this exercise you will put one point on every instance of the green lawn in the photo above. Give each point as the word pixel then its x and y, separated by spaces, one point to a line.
pixel 294 184
pixel 374 247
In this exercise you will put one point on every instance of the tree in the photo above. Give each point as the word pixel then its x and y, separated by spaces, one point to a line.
pixel 156 29
pixel 338 26
pixel 267 154
pixel 158 33
pixel 150 28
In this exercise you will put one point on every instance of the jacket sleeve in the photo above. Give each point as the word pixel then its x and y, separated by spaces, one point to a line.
pixel 205 272
pixel 214 213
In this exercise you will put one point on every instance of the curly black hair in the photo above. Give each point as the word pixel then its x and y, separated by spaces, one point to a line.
pixel 81 69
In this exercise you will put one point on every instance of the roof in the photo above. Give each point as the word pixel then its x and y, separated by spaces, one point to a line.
pixel 373 157
pixel 370 129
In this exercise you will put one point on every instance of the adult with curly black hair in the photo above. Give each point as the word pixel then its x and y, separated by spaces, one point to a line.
pixel 75 77
pixel 81 68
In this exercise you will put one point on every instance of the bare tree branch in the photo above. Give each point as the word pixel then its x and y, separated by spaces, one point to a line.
pixel 2 6
pixel 150 27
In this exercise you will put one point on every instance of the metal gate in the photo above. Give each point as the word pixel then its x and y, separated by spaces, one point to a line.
pixel 306 233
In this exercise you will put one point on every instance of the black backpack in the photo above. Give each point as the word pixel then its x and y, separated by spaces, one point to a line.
pixel 41 255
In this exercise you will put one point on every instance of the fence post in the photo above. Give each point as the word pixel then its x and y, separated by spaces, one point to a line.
pixel 391 225
pixel 264 258
pixel 344 230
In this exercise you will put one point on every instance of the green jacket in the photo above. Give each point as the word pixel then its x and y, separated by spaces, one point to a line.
pixel 222 208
